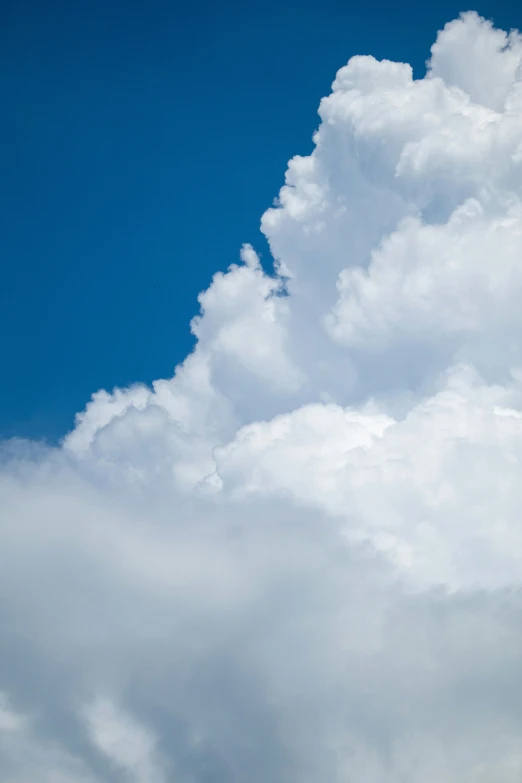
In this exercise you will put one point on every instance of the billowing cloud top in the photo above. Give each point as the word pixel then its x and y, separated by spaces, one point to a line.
pixel 300 558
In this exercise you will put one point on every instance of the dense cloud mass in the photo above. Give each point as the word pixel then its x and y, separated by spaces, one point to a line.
pixel 299 560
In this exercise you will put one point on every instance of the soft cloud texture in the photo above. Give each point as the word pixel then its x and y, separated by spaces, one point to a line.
pixel 300 559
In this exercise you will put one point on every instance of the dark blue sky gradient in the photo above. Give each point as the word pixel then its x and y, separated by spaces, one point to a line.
pixel 140 144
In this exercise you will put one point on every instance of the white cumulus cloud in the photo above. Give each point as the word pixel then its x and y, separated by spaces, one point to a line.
pixel 300 558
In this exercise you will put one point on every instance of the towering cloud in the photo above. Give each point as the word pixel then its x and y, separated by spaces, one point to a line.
pixel 300 558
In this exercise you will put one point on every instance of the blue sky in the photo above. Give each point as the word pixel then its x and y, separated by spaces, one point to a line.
pixel 140 145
